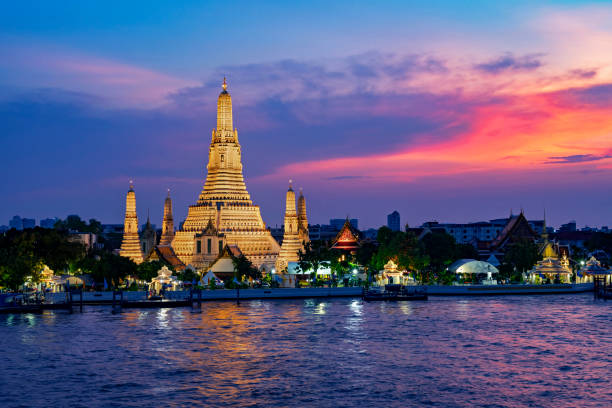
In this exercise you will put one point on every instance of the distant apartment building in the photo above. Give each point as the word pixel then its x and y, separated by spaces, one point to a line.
pixel 16 223
pixel 393 221
pixel 112 228
pixel 48 223
pixel 479 231
pixel 323 232
pixel 370 233
pixel 28 222
pixel 569 227
pixel 86 238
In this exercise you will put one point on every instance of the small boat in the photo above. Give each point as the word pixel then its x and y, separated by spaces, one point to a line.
pixel 17 303
pixel 395 293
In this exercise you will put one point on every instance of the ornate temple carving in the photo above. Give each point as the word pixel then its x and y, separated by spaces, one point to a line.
pixel 130 245
pixel 167 223
pixel 292 242
pixel 225 202
pixel 302 219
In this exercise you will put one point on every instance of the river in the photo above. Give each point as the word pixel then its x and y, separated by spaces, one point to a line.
pixel 512 351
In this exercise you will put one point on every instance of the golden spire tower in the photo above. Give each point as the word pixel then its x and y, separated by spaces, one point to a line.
pixel 226 201
pixel 130 246
pixel 291 238
pixel 167 223
pixel 302 219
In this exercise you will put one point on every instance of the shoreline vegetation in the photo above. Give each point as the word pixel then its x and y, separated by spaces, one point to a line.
pixel 26 254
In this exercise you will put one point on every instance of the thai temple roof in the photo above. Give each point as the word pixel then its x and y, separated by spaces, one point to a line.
pixel 347 239
pixel 551 266
pixel 517 227
pixel 593 267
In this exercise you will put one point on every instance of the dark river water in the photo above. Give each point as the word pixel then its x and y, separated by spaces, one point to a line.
pixel 510 351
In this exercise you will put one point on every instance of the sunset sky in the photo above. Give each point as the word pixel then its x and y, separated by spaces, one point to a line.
pixel 443 111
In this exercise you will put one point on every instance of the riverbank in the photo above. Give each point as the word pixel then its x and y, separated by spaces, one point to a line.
pixel 93 298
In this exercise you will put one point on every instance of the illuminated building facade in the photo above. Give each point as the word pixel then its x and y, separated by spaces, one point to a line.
pixel 130 245
pixel 224 203
pixel 296 230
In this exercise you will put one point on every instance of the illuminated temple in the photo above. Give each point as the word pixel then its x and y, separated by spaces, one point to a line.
pixel 224 213
pixel 130 245
pixel 296 230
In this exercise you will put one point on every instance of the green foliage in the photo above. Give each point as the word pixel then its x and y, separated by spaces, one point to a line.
pixel 520 257
pixel 440 247
pixel 402 247
pixel 600 240
pixel 188 275
pixel 315 256
pixel 465 251
pixel 146 271
pixel 23 254
pixel 244 268
pixel 113 268
pixel 74 223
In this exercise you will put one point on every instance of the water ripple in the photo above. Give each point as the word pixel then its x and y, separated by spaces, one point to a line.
pixel 451 352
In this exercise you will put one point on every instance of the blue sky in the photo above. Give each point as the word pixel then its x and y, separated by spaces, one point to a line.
pixel 446 110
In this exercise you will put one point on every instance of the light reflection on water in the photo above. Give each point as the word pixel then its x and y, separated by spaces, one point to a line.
pixel 494 351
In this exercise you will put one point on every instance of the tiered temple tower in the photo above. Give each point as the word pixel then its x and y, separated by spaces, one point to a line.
pixel 225 201
pixel 167 223
pixel 291 238
pixel 130 246
pixel 148 238
pixel 302 219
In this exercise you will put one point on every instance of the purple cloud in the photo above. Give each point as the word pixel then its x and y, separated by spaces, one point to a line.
pixel 576 158
pixel 509 62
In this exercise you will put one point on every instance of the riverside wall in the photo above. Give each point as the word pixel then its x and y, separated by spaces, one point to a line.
pixel 301 293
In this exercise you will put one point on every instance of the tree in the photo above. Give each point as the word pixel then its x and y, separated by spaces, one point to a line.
pixel 114 269
pixel 244 268
pixel 465 251
pixel 521 256
pixel 146 271
pixel 313 257
pixel 24 253
pixel 75 223
pixel 188 275
pixel 440 248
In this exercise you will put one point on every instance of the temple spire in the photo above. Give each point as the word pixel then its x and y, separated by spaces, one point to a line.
pixel 291 239
pixel 302 218
pixel 167 223
pixel 130 245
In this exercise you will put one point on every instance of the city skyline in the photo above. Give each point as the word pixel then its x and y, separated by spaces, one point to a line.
pixel 414 118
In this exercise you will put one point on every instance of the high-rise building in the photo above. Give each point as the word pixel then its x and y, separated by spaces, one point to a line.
pixel 16 223
pixel 48 223
pixel 28 222
pixel 130 246
pixel 393 221
pixel 224 203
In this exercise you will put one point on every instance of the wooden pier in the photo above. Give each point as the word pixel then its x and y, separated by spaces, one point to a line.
pixel 602 289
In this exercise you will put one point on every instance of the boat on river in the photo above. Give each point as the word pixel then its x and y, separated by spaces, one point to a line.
pixel 395 293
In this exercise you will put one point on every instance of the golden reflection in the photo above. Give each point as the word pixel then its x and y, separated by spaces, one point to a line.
pixel 162 317
pixel 406 308
pixel 357 307
pixel 320 308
